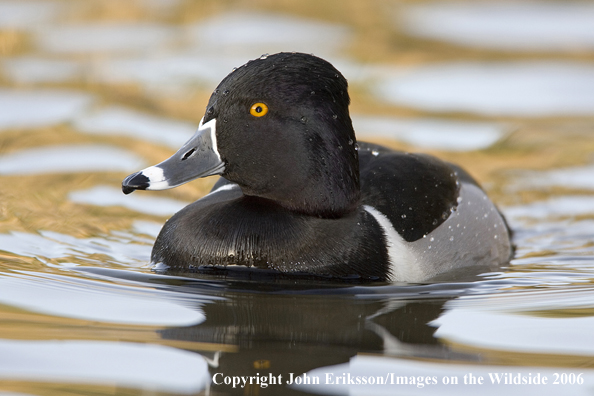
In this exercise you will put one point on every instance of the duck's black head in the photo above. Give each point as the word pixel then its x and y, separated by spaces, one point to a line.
pixel 279 127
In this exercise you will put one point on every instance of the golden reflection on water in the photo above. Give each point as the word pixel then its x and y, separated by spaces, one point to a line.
pixel 37 202
pixel 23 325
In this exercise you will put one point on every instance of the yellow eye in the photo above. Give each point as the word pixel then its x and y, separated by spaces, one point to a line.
pixel 259 109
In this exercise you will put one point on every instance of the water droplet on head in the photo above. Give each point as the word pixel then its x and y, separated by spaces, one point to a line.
pixel 232 70
pixel 313 92
pixel 451 238
pixel 431 239
pixel 264 56
pixel 356 146
pixel 403 216
pixel 304 119
pixel 375 153
pixel 226 92
pixel 350 142
pixel 334 116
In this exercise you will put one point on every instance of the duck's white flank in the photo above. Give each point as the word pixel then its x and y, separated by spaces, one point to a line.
pixel 403 264
pixel 474 234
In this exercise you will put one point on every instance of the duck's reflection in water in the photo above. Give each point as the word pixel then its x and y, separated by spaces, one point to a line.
pixel 292 332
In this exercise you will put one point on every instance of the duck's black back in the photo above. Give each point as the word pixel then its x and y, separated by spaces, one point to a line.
pixel 415 192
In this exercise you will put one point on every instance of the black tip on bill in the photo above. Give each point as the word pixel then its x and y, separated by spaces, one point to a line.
pixel 135 181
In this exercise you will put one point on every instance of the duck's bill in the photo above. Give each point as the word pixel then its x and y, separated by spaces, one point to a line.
pixel 198 157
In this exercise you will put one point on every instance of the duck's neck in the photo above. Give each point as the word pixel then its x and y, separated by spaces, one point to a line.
pixel 334 194
pixel 327 184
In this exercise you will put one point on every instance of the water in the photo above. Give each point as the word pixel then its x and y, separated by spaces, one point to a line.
pixel 515 26
pixel 431 133
pixel 94 90
pixel 68 159
pixel 496 88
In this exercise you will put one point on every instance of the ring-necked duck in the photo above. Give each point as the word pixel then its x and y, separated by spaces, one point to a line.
pixel 298 194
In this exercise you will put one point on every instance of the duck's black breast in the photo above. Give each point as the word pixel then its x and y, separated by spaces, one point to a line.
pixel 227 228
pixel 415 192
